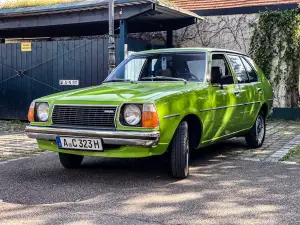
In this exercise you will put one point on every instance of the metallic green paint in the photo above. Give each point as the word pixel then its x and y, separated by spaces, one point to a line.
pixel 123 152
pixel 221 113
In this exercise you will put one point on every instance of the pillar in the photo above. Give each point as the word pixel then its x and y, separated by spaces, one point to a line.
pixel 170 39
pixel 123 40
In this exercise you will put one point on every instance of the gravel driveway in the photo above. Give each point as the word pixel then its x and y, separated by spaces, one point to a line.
pixel 38 190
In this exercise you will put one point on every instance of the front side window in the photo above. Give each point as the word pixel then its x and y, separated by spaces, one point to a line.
pixel 251 73
pixel 158 67
pixel 220 69
pixel 239 69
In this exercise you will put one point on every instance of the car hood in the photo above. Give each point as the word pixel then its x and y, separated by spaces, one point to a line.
pixel 121 92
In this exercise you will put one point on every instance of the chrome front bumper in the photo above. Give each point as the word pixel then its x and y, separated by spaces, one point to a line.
pixel 124 138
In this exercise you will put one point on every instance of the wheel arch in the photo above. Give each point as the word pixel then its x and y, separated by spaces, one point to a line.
pixel 195 129
pixel 264 109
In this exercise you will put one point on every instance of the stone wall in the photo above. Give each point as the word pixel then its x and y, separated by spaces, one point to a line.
pixel 230 32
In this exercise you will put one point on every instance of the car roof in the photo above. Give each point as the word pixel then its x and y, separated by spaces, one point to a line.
pixel 170 50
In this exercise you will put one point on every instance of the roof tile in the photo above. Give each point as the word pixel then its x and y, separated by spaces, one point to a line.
pixel 222 4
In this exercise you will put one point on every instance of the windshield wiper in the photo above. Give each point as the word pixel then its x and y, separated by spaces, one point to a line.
pixel 118 80
pixel 164 78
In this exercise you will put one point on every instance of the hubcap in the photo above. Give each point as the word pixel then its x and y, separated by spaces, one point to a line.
pixel 260 128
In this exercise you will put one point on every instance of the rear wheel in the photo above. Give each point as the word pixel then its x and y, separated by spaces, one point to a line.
pixel 256 136
pixel 70 161
pixel 180 152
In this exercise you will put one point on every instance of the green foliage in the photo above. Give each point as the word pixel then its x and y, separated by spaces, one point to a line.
pixel 277 37
pixel 293 155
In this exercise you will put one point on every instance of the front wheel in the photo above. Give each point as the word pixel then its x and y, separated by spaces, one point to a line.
pixel 256 136
pixel 180 152
pixel 70 161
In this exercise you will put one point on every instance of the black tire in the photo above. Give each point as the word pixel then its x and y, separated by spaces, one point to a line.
pixel 180 152
pixel 70 161
pixel 256 136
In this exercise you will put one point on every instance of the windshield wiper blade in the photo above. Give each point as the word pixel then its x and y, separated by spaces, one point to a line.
pixel 118 80
pixel 162 77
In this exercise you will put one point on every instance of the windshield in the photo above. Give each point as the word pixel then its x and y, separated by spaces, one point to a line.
pixel 161 67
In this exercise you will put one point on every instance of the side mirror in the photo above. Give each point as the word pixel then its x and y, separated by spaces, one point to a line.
pixel 219 85
pixel 216 77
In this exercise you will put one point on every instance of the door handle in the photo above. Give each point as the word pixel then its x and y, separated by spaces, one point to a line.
pixel 237 92
pixel 259 90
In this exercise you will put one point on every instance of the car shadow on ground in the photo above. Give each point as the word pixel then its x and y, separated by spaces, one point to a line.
pixel 42 180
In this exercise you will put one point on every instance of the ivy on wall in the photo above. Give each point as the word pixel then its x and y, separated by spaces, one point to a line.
pixel 275 46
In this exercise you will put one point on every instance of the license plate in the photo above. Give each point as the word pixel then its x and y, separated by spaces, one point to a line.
pixel 79 143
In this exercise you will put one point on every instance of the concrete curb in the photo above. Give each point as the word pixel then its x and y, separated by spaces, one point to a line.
pixel 279 154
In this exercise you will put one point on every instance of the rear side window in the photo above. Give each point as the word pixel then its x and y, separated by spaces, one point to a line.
pixel 251 73
pixel 239 69
pixel 250 61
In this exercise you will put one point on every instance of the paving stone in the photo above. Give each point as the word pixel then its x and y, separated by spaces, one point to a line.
pixel 14 144
pixel 280 138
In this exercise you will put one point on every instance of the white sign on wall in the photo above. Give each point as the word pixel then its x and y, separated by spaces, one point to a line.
pixel 69 82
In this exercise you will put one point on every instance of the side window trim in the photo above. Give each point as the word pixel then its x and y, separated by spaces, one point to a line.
pixel 231 68
pixel 240 56
pixel 250 64
pixel 228 66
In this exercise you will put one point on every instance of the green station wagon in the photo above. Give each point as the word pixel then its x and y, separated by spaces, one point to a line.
pixel 157 102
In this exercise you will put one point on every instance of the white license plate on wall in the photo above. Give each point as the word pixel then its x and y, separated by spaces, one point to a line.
pixel 69 82
pixel 79 143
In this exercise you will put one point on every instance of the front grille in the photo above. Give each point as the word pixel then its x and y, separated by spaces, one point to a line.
pixel 84 116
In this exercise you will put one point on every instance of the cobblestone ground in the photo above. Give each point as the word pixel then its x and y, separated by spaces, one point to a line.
pixel 13 141
pixel 281 137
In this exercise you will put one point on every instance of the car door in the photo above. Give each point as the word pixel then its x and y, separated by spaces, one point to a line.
pixel 249 90
pixel 254 93
pixel 223 99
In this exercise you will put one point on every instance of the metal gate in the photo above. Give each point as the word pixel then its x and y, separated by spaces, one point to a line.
pixel 25 76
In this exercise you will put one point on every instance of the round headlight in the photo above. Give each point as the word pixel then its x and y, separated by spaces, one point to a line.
pixel 42 112
pixel 132 115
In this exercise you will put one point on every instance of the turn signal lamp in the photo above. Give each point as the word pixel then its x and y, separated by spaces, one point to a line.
pixel 31 112
pixel 149 116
